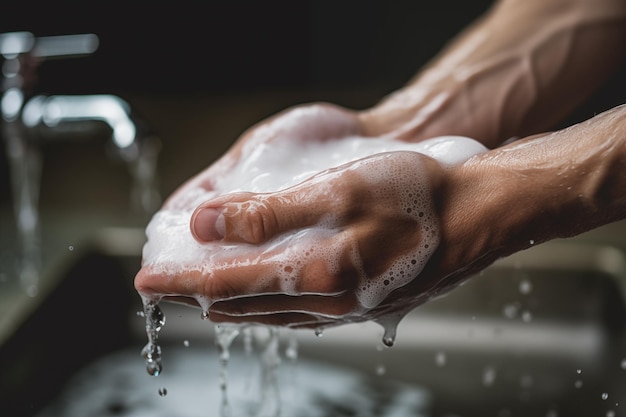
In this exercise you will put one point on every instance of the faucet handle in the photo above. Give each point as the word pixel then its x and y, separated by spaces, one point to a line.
pixel 65 46
pixel 61 46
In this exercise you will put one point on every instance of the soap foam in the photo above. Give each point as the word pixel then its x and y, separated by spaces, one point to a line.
pixel 266 167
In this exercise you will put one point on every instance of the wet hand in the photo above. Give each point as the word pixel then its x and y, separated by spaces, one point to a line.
pixel 329 250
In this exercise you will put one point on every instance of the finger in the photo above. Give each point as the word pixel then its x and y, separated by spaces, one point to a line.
pixel 257 218
pixel 292 320
pixel 242 276
pixel 331 307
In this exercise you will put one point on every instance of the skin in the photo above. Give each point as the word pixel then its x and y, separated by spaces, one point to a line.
pixel 515 72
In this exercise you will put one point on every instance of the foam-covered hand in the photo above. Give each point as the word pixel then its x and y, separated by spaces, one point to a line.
pixel 315 122
pixel 328 250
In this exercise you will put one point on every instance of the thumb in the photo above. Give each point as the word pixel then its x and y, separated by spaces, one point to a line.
pixel 256 218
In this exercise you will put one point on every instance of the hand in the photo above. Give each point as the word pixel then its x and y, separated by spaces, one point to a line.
pixel 305 123
pixel 341 241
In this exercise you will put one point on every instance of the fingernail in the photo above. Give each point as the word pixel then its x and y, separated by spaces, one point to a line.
pixel 208 225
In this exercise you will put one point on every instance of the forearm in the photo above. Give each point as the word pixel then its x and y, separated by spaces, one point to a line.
pixel 550 186
pixel 516 71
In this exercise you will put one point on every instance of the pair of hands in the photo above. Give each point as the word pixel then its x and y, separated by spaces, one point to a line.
pixel 517 70
pixel 370 220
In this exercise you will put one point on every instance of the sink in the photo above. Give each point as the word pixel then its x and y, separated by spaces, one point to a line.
pixel 539 333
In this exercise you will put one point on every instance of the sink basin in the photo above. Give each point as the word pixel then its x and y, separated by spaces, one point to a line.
pixel 540 333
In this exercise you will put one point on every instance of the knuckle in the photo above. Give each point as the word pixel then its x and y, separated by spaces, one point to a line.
pixel 261 223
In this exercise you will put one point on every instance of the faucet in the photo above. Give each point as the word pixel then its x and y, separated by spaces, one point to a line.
pixel 29 119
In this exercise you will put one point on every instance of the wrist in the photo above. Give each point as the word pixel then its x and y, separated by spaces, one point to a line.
pixel 554 185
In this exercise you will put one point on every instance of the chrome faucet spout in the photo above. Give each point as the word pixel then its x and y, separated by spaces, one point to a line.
pixel 27 119
pixel 55 112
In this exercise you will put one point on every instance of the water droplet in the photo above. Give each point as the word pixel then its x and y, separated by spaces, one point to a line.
pixel 489 376
pixel 440 358
pixel 154 368
pixel 578 384
pixel 162 391
pixel 204 315
pixel 140 314
pixel 186 343
pixel 605 395
pixel 32 291
pixel 525 287
pixel 157 317
pixel 610 413
pixel 527 316
pixel 552 413
pixel 579 371
pixel 70 248
pixel 155 320
pixel 623 364
pixel 389 340
pixel 319 332
pixel 511 310
pixel 532 242
pixel 291 352
pixel 381 370
pixel 389 336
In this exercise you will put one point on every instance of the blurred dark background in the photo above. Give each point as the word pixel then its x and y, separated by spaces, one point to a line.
pixel 209 47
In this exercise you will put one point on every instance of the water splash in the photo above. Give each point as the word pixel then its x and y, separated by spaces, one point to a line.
pixel 155 320
pixel 224 336
pixel 270 361
pixel 291 352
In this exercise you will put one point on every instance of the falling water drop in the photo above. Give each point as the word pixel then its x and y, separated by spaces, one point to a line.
pixel 489 376
pixel 186 343
pixel 319 332
pixel 623 364
pixel 610 413
pixel 247 335
pixel 440 359
pixel 389 337
pixel 578 384
pixel 155 320
pixel 525 286
pixel 224 336
pixel 510 311
pixel 527 316
pixel 381 370
pixel 291 352
pixel 162 391
pixel 204 315
pixel 605 395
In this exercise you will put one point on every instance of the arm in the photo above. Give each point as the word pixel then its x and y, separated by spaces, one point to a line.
pixel 553 185
pixel 516 71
